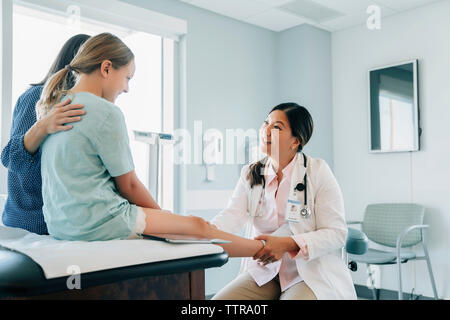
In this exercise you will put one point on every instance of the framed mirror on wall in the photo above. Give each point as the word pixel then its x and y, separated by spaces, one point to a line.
pixel 394 108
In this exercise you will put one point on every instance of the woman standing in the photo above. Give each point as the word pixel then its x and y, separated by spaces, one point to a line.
pixel 22 155
pixel 293 203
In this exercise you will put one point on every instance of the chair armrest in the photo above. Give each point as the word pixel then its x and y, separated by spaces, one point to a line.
pixel 354 222
pixel 404 233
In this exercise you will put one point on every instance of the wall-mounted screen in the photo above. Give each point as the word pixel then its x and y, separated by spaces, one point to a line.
pixel 394 108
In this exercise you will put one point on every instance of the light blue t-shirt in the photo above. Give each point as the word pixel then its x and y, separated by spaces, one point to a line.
pixel 81 201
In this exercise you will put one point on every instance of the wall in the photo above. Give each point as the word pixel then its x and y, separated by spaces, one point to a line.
pixel 422 177
pixel 304 76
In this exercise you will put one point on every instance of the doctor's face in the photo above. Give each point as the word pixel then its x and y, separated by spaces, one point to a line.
pixel 276 136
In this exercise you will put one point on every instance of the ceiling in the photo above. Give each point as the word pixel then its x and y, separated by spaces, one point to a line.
pixel 279 15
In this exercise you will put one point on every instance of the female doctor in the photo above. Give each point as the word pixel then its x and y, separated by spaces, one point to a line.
pixel 294 205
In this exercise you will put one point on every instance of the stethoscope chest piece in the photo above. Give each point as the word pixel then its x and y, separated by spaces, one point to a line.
pixel 305 212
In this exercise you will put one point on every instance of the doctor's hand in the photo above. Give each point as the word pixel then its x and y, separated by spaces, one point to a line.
pixel 274 249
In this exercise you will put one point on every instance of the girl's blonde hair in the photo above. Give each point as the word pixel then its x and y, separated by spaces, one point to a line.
pixel 89 58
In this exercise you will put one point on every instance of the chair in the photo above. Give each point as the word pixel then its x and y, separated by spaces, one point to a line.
pixel 356 243
pixel 399 226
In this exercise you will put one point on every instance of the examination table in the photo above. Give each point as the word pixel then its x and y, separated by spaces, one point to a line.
pixel 21 277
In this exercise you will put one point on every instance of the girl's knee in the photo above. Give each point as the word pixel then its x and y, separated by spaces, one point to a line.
pixel 201 226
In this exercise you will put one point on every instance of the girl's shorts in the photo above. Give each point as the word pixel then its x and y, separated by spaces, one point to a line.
pixel 140 225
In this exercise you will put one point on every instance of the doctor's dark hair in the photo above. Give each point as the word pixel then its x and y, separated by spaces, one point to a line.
pixel 65 55
pixel 104 46
pixel 302 127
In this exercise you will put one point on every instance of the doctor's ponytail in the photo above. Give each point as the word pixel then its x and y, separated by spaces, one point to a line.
pixel 302 127
pixel 256 172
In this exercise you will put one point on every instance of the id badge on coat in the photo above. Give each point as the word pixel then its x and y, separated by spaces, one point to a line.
pixel 293 208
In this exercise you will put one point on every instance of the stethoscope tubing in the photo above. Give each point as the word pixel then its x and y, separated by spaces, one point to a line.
pixel 305 212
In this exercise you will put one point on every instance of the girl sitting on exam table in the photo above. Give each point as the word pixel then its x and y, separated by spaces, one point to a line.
pixel 293 203
pixel 89 186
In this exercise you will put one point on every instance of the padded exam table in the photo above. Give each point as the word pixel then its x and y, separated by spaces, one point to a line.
pixel 22 278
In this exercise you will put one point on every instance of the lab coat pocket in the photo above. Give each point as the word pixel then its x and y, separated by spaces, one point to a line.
pixel 310 222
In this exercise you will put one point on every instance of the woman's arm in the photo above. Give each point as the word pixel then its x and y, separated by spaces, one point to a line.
pixel 53 122
pixel 21 151
pixel 132 189
pixel 14 156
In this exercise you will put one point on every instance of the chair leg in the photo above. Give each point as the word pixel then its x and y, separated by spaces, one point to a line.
pixel 399 266
pixel 430 271
pixel 375 293
pixel 374 290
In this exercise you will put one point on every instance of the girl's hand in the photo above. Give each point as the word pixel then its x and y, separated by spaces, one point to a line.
pixel 274 249
pixel 61 114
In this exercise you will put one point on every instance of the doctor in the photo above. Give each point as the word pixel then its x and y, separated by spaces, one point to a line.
pixel 294 205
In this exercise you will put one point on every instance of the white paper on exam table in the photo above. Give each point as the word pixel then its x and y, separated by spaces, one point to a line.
pixel 185 239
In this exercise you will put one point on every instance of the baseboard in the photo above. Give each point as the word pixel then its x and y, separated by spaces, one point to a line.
pixel 384 294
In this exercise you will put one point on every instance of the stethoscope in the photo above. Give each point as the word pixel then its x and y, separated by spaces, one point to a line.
pixel 305 212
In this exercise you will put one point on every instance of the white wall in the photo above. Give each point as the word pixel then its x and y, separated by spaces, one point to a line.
pixel 422 177
pixel 304 76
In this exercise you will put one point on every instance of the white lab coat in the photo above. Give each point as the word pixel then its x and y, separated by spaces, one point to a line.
pixel 324 231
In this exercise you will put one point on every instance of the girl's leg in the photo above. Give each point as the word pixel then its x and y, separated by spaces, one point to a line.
pixel 163 223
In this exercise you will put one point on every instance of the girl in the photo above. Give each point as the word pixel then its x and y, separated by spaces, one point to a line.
pixel 89 186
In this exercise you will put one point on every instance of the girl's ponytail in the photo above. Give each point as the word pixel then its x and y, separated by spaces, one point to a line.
pixel 52 93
